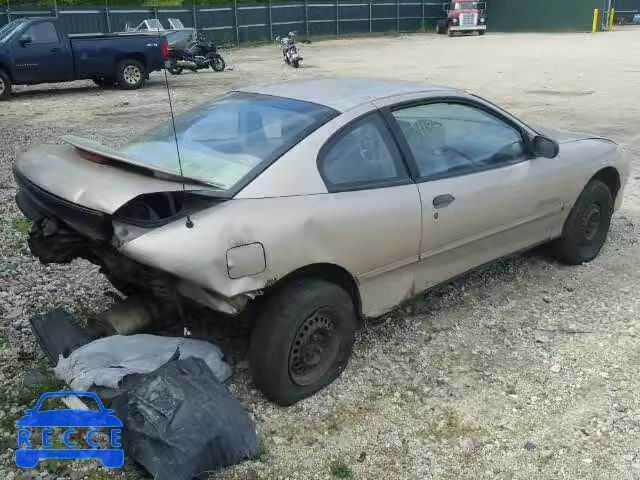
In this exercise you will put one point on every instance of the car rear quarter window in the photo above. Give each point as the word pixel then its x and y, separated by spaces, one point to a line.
pixel 44 32
pixel 362 155
pixel 448 139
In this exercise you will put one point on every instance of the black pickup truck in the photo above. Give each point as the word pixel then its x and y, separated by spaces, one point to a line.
pixel 37 50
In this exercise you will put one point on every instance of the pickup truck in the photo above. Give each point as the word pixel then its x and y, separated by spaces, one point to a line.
pixel 37 50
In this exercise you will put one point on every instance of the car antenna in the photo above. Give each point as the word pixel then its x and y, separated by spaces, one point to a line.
pixel 189 223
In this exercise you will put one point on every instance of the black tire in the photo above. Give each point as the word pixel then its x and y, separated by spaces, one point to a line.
pixel 283 355
pixel 296 63
pixel 481 32
pixel 131 74
pixel 175 70
pixel 441 27
pixel 587 225
pixel 217 63
pixel 5 86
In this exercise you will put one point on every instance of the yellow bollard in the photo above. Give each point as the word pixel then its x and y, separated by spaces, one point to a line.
pixel 596 13
pixel 612 15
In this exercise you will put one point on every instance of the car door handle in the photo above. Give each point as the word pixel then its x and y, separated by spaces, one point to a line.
pixel 56 50
pixel 442 201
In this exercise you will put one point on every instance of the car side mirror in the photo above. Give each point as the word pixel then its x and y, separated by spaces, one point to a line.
pixel 545 147
pixel 25 40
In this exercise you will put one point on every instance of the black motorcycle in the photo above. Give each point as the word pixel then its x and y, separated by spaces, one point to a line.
pixel 195 55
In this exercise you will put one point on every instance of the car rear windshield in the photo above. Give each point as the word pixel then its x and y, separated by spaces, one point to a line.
pixel 228 140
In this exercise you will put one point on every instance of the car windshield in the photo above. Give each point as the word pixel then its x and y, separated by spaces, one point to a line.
pixel 466 6
pixel 9 28
pixel 223 141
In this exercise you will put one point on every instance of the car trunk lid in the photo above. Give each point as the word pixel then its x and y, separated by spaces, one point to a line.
pixel 103 183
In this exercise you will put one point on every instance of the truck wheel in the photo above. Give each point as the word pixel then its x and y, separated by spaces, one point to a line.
pixel 481 32
pixel 587 225
pixel 441 27
pixel 5 86
pixel 131 74
pixel 302 340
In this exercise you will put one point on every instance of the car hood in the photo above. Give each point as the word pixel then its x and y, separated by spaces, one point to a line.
pixel 564 136
pixel 61 171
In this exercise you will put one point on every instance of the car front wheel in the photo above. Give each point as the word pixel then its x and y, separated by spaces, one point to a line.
pixel 587 226
pixel 302 339
pixel 5 86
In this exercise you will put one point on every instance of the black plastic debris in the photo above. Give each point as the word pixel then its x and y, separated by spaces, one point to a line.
pixel 180 421
pixel 57 334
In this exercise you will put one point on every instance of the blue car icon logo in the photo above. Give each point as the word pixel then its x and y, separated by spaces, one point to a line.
pixel 96 421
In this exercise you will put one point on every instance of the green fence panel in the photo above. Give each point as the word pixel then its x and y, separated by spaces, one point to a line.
pixel 541 15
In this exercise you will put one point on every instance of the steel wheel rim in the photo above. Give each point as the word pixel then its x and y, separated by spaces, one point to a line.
pixel 3 86
pixel 592 220
pixel 131 74
pixel 314 348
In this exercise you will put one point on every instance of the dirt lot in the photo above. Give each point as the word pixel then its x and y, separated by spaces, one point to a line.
pixel 524 369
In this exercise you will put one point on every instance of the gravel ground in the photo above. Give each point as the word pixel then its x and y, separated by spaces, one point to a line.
pixel 523 369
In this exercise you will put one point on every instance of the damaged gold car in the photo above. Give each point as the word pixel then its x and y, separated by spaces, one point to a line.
pixel 320 202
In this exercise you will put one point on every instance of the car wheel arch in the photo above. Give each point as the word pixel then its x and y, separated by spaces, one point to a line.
pixel 611 178
pixel 325 271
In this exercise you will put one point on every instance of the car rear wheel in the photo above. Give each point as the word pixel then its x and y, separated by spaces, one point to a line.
pixel 302 340
pixel 5 86
pixel 131 74
pixel 587 226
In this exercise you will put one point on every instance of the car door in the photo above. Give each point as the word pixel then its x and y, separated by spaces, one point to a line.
pixel 373 213
pixel 483 195
pixel 40 55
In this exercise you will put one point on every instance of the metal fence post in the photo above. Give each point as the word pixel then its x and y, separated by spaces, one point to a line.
pixel 235 21
pixel 337 17
pixel 398 15
pixel 423 24
pixel 8 12
pixel 370 17
pixel 106 15
pixel 270 23
pixel 194 14
pixel 306 16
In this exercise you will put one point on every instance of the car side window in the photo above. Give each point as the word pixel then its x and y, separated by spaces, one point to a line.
pixel 362 155
pixel 448 139
pixel 44 32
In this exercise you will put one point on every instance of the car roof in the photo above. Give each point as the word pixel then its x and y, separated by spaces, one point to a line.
pixel 342 94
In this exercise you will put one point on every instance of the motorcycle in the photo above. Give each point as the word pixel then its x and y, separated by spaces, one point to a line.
pixel 290 50
pixel 196 55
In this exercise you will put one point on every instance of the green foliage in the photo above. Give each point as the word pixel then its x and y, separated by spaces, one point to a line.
pixel 22 225
pixel 340 469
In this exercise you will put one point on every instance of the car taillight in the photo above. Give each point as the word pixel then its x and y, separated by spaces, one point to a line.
pixel 165 50
pixel 92 157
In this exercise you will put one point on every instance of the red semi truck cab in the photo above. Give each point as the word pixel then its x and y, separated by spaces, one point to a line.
pixel 463 16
